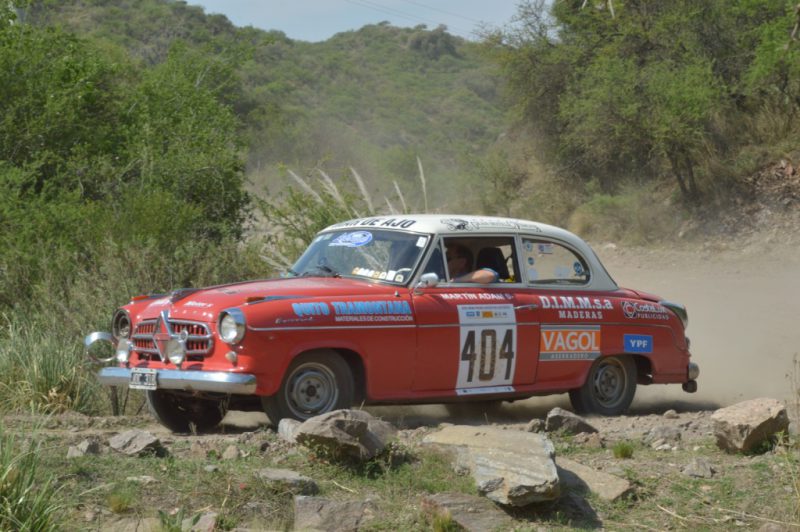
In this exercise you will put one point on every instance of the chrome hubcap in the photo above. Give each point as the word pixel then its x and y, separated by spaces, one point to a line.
pixel 311 390
pixel 610 383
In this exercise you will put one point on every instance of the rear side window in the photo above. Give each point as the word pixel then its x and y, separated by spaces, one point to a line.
pixel 551 263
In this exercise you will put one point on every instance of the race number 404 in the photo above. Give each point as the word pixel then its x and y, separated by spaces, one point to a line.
pixel 488 345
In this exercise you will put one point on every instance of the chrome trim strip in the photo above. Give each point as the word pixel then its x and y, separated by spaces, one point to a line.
pixel 331 327
pixel 202 381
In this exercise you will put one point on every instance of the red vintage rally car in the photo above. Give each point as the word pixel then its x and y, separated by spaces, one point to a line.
pixel 375 311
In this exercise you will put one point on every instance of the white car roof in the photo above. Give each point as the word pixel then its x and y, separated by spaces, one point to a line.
pixel 471 225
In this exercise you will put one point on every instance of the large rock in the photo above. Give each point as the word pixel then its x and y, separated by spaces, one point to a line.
pixel 346 434
pixel 469 512
pixel 509 467
pixel 317 513
pixel 137 443
pixel 581 478
pixel 565 421
pixel 746 425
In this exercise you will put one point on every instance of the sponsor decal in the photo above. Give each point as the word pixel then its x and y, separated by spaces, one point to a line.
pixel 575 303
pixel 459 224
pixel 197 304
pixel 374 311
pixel 315 308
pixel 644 311
pixel 487 348
pixel 352 240
pixel 638 343
pixel 403 223
pixel 569 342
pixel 304 319
pixel 544 248
pixel 480 296
pixel 580 314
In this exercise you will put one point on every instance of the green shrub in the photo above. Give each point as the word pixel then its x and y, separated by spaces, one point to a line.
pixel 623 449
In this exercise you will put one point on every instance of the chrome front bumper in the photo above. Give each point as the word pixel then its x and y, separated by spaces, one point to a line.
pixel 201 381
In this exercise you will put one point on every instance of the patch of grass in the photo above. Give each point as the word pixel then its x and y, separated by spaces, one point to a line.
pixel 28 501
pixel 623 449
pixel 121 499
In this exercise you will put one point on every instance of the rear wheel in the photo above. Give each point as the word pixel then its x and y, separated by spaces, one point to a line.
pixel 609 387
pixel 182 413
pixel 315 383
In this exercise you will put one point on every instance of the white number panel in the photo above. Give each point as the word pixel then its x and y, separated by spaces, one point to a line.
pixel 487 349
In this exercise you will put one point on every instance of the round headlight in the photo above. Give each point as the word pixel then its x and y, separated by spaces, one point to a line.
pixel 121 324
pixel 176 351
pixel 232 326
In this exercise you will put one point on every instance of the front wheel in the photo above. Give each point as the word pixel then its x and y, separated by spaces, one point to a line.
pixel 315 383
pixel 609 387
pixel 182 413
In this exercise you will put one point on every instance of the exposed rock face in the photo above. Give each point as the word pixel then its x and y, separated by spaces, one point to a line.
pixel 746 425
pixel 346 433
pixel 565 421
pixel 509 467
pixel 137 443
pixel 468 511
pixel 317 513
pixel 291 481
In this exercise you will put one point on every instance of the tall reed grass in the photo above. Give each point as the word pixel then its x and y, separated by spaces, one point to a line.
pixel 28 502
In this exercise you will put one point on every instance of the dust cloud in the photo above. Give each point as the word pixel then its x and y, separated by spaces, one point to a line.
pixel 744 316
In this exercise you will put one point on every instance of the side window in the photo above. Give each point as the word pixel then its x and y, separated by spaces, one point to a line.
pixel 551 263
pixel 465 255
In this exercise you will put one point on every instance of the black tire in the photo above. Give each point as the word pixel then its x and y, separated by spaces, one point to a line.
pixel 181 413
pixel 315 383
pixel 609 387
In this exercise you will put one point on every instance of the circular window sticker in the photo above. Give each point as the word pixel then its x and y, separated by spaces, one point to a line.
pixel 352 240
pixel 399 278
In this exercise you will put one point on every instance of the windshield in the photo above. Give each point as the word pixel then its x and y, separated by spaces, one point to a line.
pixel 378 255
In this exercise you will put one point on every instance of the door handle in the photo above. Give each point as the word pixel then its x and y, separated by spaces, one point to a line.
pixel 531 306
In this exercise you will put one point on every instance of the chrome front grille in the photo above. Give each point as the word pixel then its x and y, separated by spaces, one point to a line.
pixel 199 342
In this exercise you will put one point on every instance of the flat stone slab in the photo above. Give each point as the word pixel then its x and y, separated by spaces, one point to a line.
pixel 290 480
pixel 583 478
pixel 509 467
pixel 318 513
pixel 471 513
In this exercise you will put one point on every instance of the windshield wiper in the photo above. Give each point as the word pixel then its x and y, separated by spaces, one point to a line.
pixel 326 271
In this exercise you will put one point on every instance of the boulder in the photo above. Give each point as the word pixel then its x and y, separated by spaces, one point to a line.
pixel 469 512
pixel 581 478
pixel 317 513
pixel 509 467
pixel 137 443
pixel 746 425
pixel 231 452
pixel 565 421
pixel 662 435
pixel 535 425
pixel 291 481
pixel 351 434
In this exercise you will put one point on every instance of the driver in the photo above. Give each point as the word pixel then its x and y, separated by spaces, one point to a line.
pixel 459 264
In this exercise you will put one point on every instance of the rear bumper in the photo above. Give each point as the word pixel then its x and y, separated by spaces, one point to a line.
pixel 201 381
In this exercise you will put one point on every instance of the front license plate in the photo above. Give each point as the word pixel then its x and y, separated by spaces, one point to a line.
pixel 143 379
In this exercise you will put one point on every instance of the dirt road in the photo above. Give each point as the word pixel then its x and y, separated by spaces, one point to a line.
pixel 744 315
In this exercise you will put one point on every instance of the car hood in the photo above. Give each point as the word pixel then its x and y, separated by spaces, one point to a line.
pixel 205 304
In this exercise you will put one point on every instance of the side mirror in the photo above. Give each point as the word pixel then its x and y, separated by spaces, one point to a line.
pixel 428 280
